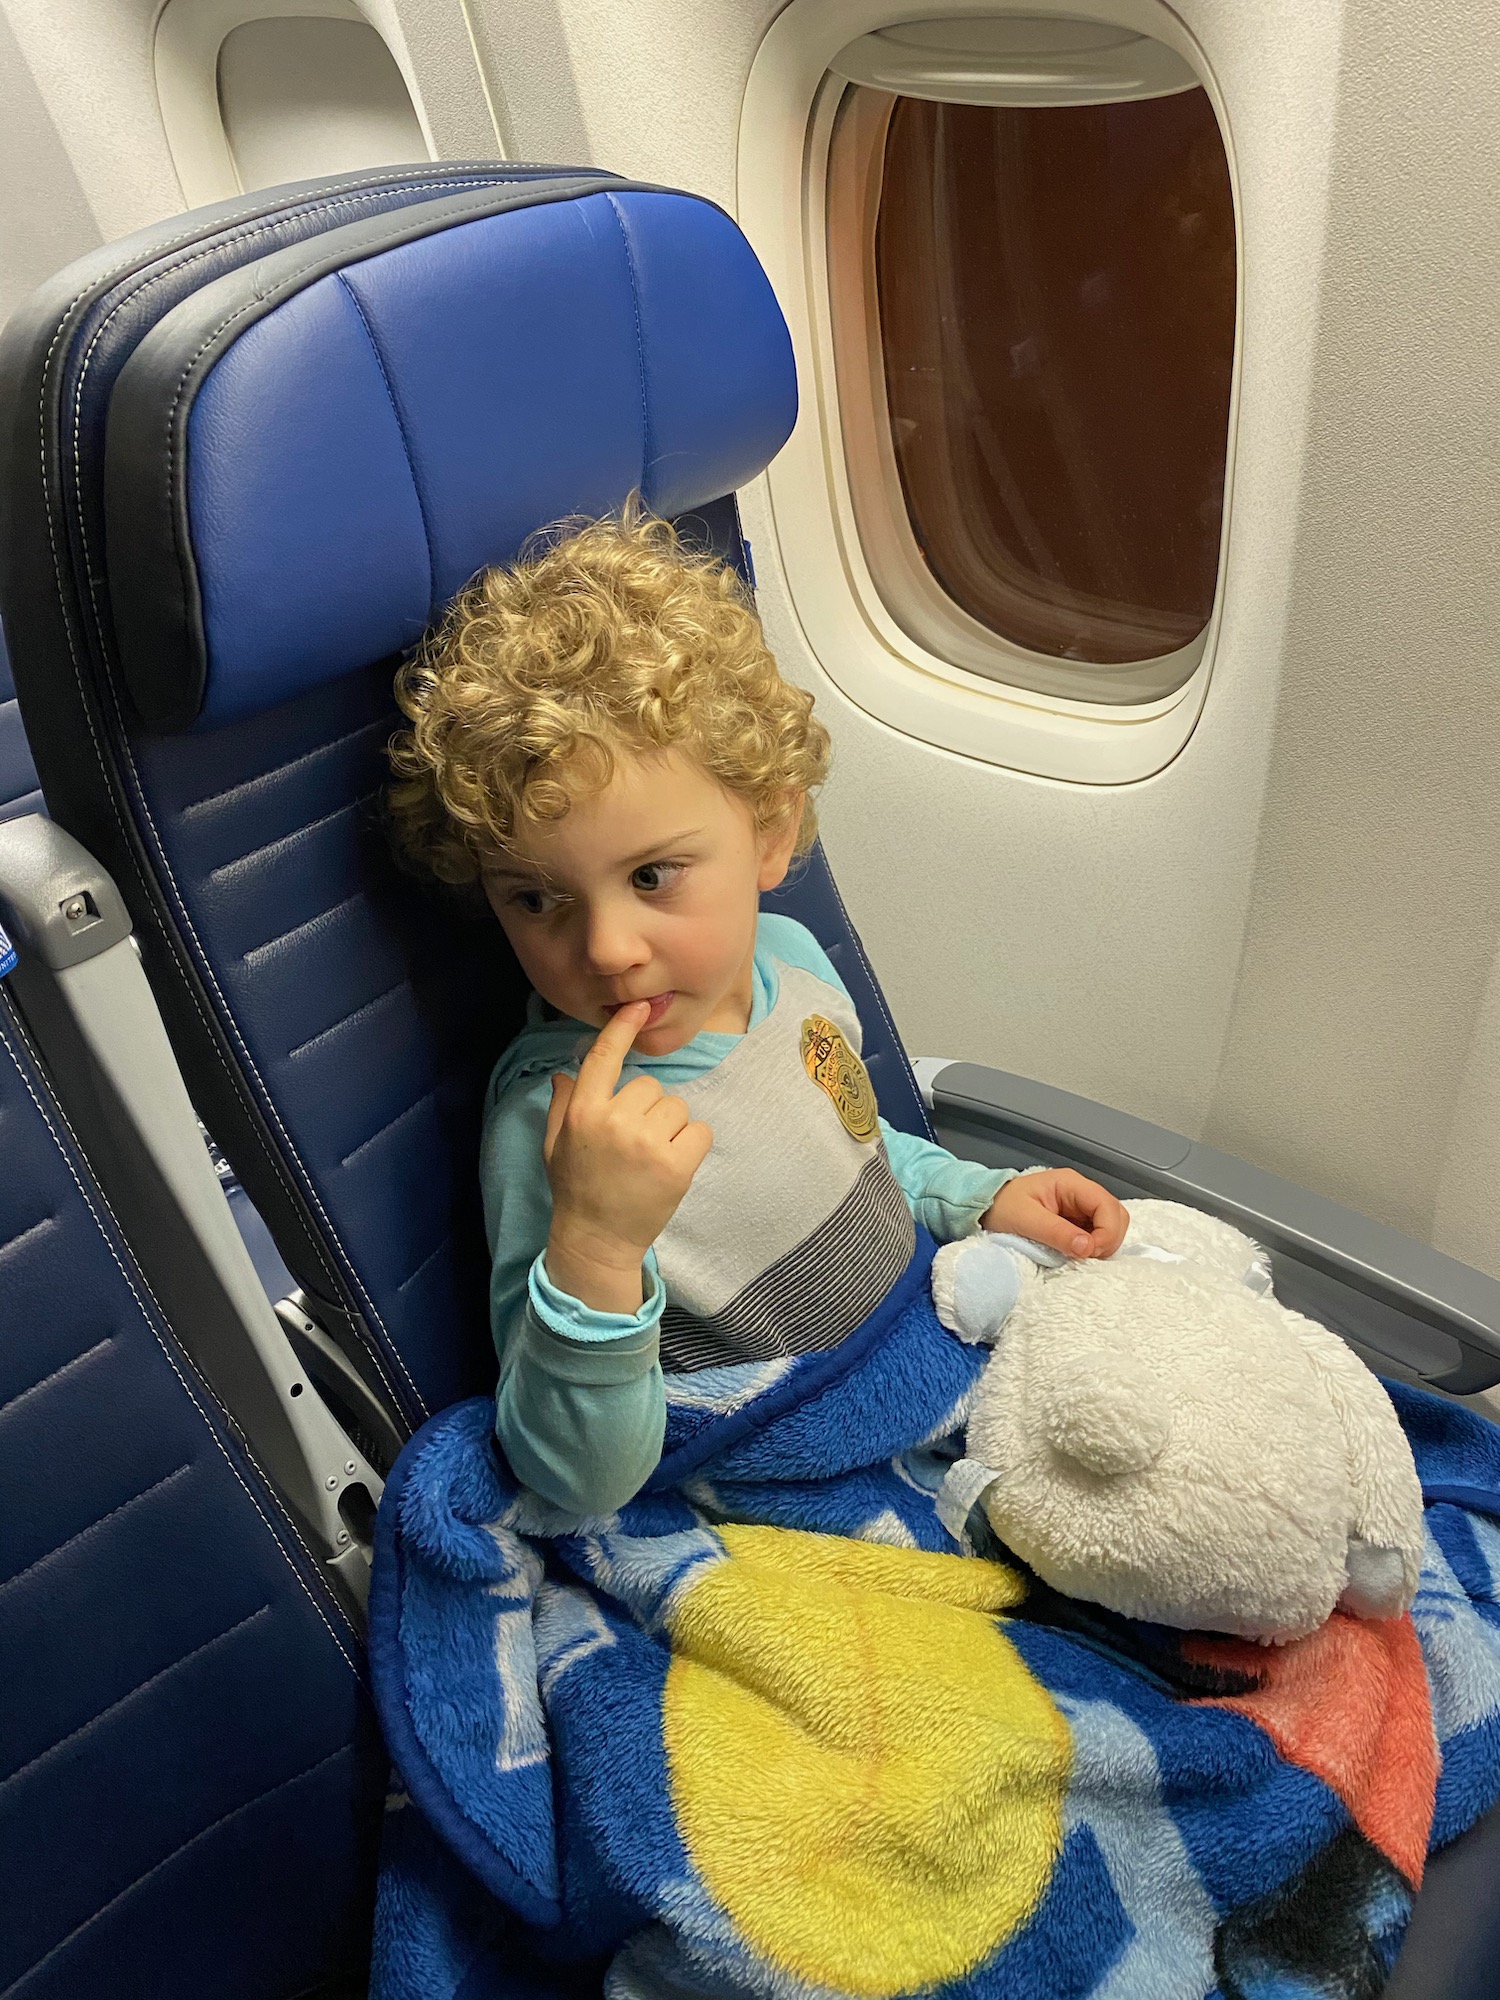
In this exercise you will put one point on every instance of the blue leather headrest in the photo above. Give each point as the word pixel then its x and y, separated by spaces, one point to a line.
pixel 309 456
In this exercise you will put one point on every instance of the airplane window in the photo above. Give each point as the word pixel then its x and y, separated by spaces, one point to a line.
pixel 307 95
pixel 1033 311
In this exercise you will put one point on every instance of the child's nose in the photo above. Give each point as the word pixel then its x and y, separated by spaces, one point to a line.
pixel 614 944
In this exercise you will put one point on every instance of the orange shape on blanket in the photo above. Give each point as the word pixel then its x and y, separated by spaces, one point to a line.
pixel 1350 1703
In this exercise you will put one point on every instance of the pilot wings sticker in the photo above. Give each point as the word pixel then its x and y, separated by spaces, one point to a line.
pixel 834 1067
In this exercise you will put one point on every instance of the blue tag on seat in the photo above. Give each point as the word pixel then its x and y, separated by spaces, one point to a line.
pixel 8 959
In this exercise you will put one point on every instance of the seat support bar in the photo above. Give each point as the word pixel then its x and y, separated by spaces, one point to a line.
pixel 81 988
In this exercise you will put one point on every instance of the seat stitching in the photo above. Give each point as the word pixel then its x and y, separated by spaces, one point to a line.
pixel 171 1359
pixel 151 1681
pixel 390 1125
pixel 292 833
pixel 443 1241
pixel 401 431
pixel 230 1022
pixel 31 1229
pixel 281 770
pixel 365 1007
pixel 322 916
pixel 640 343
pixel 342 195
pixel 70 629
pixel 57 1373
pixel 123 1507
pixel 247 1805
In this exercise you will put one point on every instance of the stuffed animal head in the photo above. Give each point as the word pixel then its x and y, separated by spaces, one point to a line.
pixel 1168 1440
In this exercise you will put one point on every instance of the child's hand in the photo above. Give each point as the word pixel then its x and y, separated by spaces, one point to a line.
pixel 619 1162
pixel 1061 1209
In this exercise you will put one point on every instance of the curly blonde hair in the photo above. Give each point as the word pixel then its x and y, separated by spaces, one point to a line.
pixel 606 635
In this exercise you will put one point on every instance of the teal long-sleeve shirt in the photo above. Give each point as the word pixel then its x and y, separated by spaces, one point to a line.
pixel 581 1404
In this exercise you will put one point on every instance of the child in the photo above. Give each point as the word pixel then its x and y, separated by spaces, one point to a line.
pixel 600 737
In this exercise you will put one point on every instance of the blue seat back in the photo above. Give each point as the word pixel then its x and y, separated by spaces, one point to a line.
pixel 19 791
pixel 189 1785
pixel 291 467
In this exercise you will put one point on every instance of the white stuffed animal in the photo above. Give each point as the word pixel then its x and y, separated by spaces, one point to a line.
pixel 1155 1433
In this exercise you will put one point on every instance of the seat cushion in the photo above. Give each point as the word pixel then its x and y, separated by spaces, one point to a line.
pixel 189 1785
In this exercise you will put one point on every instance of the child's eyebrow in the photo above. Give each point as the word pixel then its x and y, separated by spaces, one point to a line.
pixel 512 871
pixel 660 847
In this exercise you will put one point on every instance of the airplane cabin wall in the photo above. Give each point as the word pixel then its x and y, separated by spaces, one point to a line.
pixel 1361 1047
pixel 1287 941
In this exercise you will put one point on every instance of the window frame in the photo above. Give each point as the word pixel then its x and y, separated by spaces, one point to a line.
pixel 786 132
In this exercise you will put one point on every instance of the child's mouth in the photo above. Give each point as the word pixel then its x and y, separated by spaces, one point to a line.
pixel 660 1002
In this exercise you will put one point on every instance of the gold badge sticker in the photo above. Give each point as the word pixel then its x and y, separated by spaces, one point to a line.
pixel 834 1067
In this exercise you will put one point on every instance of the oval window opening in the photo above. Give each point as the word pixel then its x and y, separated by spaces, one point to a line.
pixel 1034 323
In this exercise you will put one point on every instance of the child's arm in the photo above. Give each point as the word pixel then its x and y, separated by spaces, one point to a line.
pixel 950 1197
pixel 580 1419
pixel 575 1300
pixel 580 1406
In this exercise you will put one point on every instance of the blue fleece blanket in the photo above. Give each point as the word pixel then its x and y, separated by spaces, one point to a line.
pixel 766 1731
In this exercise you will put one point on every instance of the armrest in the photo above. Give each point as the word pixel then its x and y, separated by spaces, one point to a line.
pixel 77 979
pixel 1435 1319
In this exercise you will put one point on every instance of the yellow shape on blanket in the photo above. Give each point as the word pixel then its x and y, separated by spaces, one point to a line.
pixel 864 1772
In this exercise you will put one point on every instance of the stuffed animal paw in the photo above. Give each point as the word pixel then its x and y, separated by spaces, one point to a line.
pixel 1157 1434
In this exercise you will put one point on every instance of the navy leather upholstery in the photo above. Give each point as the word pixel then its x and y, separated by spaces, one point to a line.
pixel 367 440
pixel 366 1013
pixel 335 1021
pixel 60 358
pixel 19 791
pixel 188 1782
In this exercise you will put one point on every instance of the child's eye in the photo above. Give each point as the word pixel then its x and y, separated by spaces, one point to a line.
pixel 535 902
pixel 654 876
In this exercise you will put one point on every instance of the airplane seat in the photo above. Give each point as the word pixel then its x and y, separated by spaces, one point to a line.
pixel 21 794
pixel 243 461
pixel 19 791
pixel 119 805
pixel 189 1774
pixel 291 463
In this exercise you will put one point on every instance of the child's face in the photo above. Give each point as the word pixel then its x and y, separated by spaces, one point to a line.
pixel 647 891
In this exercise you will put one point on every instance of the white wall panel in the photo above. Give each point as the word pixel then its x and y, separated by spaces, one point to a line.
pixel 1353 1058
pixel 91 60
pixel 651 89
pixel 45 219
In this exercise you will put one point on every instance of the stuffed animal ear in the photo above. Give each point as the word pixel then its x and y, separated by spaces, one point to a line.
pixel 976 1282
pixel 1111 1415
pixel 1387 1495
